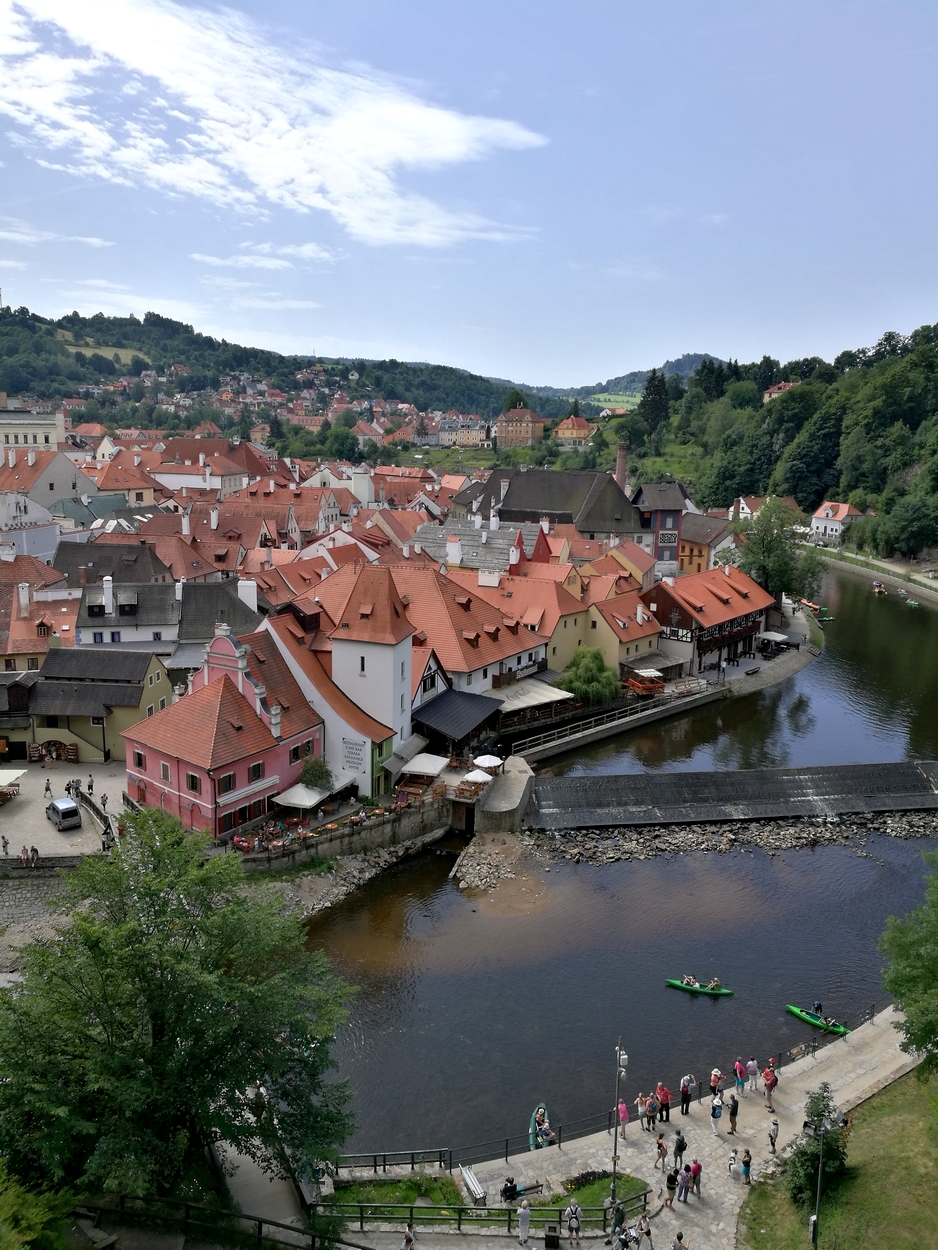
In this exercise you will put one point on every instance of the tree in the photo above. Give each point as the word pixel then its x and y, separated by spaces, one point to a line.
pixel 910 945
pixel 514 399
pixel 801 1170
pixel 574 408
pixel 771 553
pixel 589 677
pixel 146 1028
pixel 317 774
pixel 31 1219
pixel 653 407
pixel 910 526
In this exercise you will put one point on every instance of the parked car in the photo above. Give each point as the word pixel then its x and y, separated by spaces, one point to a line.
pixel 64 814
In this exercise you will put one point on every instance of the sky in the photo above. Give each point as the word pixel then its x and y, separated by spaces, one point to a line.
pixel 555 193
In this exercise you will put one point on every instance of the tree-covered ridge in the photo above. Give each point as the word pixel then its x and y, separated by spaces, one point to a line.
pixel 55 359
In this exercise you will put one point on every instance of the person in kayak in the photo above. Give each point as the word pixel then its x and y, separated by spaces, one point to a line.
pixel 689 979
pixel 714 984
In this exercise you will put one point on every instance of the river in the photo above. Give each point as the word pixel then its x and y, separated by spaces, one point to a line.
pixel 468 1012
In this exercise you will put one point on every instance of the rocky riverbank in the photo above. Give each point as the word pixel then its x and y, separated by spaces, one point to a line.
pixel 607 846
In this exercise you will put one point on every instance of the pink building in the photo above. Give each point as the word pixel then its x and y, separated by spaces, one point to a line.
pixel 216 757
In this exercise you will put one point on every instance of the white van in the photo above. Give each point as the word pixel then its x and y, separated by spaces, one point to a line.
pixel 64 814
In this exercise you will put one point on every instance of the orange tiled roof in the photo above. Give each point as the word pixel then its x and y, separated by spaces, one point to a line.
pixel 211 727
pixel 621 613
pixel 267 666
pixel 715 595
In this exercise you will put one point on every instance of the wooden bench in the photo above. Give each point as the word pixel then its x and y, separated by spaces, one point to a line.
pixel 473 1188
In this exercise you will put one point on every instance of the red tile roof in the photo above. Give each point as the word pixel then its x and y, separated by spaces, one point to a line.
pixel 714 596
pixel 267 666
pixel 211 727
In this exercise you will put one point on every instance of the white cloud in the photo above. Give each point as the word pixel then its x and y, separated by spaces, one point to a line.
pixel 226 284
pixel 305 251
pixel 101 284
pixel 12 264
pixel 15 231
pixel 117 303
pixel 197 102
pixel 262 301
pixel 247 261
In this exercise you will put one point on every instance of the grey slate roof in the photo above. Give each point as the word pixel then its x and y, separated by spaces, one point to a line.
pixel 664 496
pixel 132 561
pixel 75 698
pixel 83 514
pixel 593 502
pixel 455 713
pixel 97 664
pixel 205 604
pixel 696 528
pixel 481 548
pixel 156 605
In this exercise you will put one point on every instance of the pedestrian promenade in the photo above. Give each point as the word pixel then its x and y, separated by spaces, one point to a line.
pixel 856 1067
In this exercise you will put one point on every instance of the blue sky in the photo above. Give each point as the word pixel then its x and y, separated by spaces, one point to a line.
pixel 552 192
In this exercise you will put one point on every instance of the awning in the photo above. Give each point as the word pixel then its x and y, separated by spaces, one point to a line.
pixel 774 636
pixel 456 713
pixel 341 780
pixel 9 775
pixel 478 777
pixel 487 761
pixel 649 672
pixel 530 692
pixel 425 765
pixel 300 796
pixel 404 754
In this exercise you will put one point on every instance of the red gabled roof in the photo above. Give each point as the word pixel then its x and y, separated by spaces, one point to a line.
pixel 373 611
pixel 267 666
pixel 212 727
pixel 715 595
pixel 838 511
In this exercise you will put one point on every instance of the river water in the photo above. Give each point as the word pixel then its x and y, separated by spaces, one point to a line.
pixel 470 1010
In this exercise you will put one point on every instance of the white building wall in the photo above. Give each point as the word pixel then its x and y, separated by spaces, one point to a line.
pixel 377 677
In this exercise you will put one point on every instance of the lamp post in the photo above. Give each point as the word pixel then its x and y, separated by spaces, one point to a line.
pixel 622 1063
pixel 811 1129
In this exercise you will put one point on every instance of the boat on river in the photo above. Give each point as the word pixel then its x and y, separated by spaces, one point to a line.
pixel 825 1023
pixel 537 1137
pixel 718 991
pixel 879 589
pixel 913 603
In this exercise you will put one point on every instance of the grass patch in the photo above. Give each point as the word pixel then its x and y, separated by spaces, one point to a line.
pixel 593 1192
pixel 887 1196
pixel 629 400
pixel 441 1190
pixel 309 868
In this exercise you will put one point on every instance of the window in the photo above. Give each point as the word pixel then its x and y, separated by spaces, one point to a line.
pixel 402 670
pixel 115 635
pixel 52 486
pixel 162 704
pixel 159 674
pixel 45 439
pixel 35 438
pixel 32 663
pixel 157 637
pixel 295 753
pixel 428 683
pixel 257 808
pixel 468 679
pixel 592 624
pixel 9 666
pixel 226 783
pixel 194 783
pixel 255 771
pixel 16 438
pixel 150 680
pixel 149 709
pixel 140 761
pixel 42 631
pixel 164 771
pixel 226 822
pixel 97 636
pixel 97 720
pixel 52 722
pixel 530 656
pixel 361 664
pixel 402 703
pixel 138 496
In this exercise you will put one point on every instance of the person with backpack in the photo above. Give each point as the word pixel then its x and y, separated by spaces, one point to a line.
pixel 716 1110
pixel 680 1145
pixel 651 1113
pixel 572 1216
pixel 687 1088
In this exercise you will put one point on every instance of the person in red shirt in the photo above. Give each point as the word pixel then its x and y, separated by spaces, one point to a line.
pixel 663 1094
pixel 771 1080
pixel 695 1169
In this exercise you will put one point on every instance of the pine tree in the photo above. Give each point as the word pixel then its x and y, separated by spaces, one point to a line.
pixel 653 407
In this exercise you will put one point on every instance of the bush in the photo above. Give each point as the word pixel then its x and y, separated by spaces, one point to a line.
pixel 589 677
pixel 317 774
pixel 801 1171
pixel 31 1219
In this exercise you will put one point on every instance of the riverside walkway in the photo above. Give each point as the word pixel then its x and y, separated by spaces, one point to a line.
pixel 856 1067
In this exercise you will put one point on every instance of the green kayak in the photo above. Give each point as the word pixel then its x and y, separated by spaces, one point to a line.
pixel 697 989
pixel 819 1022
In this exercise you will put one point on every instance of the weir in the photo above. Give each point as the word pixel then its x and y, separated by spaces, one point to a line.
pixel 672 798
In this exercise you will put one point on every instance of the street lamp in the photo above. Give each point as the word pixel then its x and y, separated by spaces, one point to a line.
pixel 811 1129
pixel 622 1063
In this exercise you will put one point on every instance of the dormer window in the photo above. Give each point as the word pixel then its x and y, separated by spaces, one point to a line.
pixel 365 610
pixel 42 631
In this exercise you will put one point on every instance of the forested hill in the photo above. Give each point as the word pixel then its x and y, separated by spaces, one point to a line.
pixel 52 359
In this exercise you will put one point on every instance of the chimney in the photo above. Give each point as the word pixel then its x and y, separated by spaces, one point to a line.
pixel 453 550
pixel 208 477
pixel 247 593
pixel 11 457
pixel 185 525
pixel 417 549
pixel 213 518
pixel 82 575
pixel 622 458
pixel 271 485
pixel 275 719
pixel 545 524
pixel 179 586
pixel 268 558
pixel 405 551
pixel 108 595
pixel 202 459
pixel 477 520
pixel 85 499
pixel 30 458
pixel 726 569
pixel 493 520
pixel 23 588
pixel 638 613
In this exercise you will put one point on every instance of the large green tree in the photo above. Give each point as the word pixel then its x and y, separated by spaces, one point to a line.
pixel 910 945
pixel 147 1026
pixel 654 408
pixel 589 677
pixel 771 553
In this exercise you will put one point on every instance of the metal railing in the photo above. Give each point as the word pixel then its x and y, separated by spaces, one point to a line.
pixel 478 1216
pixel 822 1039
pixel 597 722
pixel 450 1157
